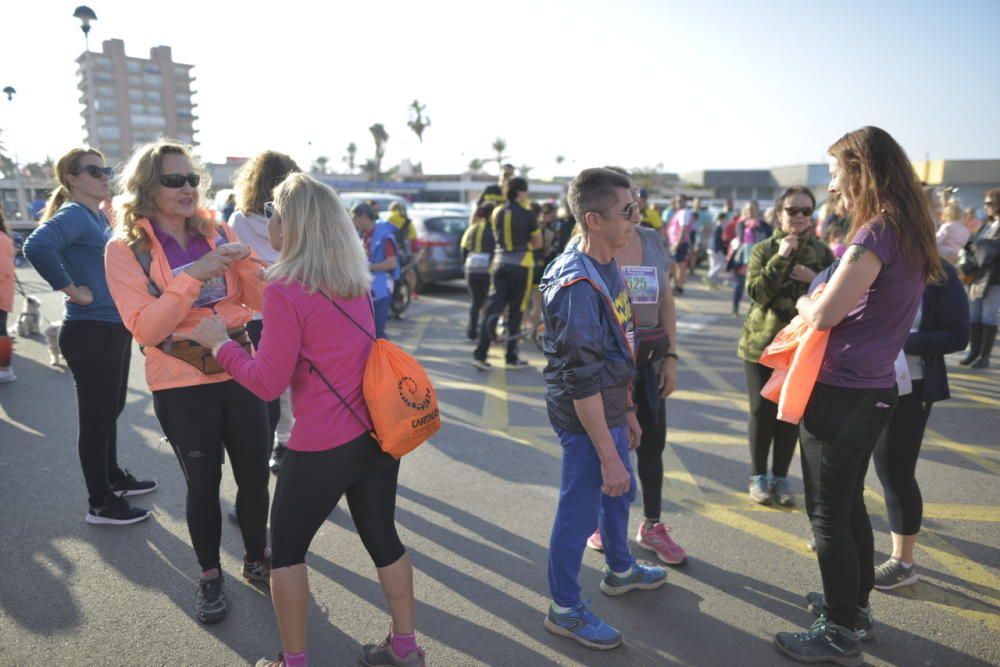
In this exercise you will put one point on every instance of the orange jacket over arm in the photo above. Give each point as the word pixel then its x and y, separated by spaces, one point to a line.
pixel 6 275
pixel 151 320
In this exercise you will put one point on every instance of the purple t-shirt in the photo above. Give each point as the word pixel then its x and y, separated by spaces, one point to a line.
pixel 862 349
pixel 213 290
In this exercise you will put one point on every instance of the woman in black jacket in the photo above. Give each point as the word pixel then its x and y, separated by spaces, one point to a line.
pixel 942 327
pixel 980 260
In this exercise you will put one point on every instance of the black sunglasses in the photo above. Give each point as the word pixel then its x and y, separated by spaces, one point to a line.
pixel 178 180
pixel 95 171
pixel 269 209
pixel 792 211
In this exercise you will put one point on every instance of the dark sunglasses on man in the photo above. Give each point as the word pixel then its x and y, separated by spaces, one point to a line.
pixel 94 171
pixel 793 211
pixel 177 180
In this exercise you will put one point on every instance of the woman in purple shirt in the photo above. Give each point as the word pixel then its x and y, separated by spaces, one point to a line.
pixel 868 307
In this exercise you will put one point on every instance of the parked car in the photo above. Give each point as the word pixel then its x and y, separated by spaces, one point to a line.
pixel 383 199
pixel 437 246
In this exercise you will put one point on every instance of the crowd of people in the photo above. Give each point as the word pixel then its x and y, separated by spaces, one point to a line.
pixel 879 284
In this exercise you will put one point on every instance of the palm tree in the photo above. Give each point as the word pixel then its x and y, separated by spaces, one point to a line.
pixel 351 158
pixel 525 170
pixel 499 146
pixel 319 164
pixel 381 137
pixel 418 122
pixel 475 165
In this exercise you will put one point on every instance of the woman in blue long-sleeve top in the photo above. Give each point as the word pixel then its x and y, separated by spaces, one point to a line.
pixel 941 327
pixel 67 250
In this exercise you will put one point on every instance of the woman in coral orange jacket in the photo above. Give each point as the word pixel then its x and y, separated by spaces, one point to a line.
pixel 169 266
pixel 6 300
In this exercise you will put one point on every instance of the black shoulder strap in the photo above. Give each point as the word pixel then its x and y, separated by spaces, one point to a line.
pixel 353 321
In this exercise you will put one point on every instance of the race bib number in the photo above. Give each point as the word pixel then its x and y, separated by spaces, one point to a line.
pixel 643 283
pixel 478 260
pixel 212 291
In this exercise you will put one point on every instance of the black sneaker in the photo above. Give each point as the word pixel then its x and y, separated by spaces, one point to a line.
pixel 210 602
pixel 823 642
pixel 130 486
pixel 115 512
pixel 482 364
pixel 258 571
pixel 276 456
pixel 516 364
pixel 891 574
pixel 864 622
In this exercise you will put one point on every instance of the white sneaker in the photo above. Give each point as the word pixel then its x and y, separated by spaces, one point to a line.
pixel 7 375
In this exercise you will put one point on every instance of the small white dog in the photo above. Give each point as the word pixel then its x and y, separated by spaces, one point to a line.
pixel 52 338
pixel 28 322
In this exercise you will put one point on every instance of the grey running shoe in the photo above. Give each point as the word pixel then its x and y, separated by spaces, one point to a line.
pixel 258 571
pixel 823 642
pixel 891 574
pixel 760 490
pixel 482 364
pixel 864 622
pixel 382 655
pixel 210 602
pixel 782 490
pixel 644 577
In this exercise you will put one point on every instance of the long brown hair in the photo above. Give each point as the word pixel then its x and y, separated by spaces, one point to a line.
pixel 65 167
pixel 258 177
pixel 137 189
pixel 881 182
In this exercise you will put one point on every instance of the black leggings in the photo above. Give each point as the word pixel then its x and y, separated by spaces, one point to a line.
pixel 838 432
pixel 254 330
pixel 479 288
pixel 764 427
pixel 199 421
pixel 310 485
pixel 649 455
pixel 510 288
pixel 98 355
pixel 896 455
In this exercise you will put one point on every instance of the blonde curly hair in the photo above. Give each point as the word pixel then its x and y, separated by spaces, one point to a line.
pixel 137 186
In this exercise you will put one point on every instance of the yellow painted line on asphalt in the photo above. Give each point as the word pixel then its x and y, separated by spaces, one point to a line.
pixel 684 437
pixel 952 602
pixel 968 395
pixel 958 512
pixel 968 452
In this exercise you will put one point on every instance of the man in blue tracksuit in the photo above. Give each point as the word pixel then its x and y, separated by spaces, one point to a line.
pixel 589 344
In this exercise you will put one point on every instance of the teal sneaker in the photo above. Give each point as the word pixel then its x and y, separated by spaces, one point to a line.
pixel 864 622
pixel 760 489
pixel 645 577
pixel 823 642
pixel 584 627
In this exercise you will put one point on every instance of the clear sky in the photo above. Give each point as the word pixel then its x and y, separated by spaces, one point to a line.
pixel 693 84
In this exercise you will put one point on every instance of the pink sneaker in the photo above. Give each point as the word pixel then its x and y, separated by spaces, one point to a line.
pixel 658 539
pixel 594 541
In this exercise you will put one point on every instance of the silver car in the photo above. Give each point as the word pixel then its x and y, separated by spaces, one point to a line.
pixel 438 244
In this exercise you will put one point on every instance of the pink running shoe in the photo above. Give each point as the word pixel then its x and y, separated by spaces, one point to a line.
pixel 658 539
pixel 594 541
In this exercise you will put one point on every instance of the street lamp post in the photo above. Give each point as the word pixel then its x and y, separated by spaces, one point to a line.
pixel 22 201
pixel 85 14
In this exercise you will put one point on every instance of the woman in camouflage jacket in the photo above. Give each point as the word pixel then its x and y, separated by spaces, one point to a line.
pixel 780 270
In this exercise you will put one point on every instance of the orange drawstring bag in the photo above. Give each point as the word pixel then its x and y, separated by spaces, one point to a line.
pixel 401 399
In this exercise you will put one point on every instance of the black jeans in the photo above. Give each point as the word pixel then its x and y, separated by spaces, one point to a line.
pixel 651 411
pixel 479 288
pixel 763 427
pixel 199 421
pixel 254 330
pixel 311 484
pixel 510 288
pixel 896 455
pixel 838 434
pixel 98 355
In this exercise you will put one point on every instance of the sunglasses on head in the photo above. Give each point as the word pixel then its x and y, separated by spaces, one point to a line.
pixel 94 171
pixel 792 211
pixel 178 180
pixel 269 209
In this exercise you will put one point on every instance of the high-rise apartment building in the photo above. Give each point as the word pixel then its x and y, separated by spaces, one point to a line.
pixel 131 101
